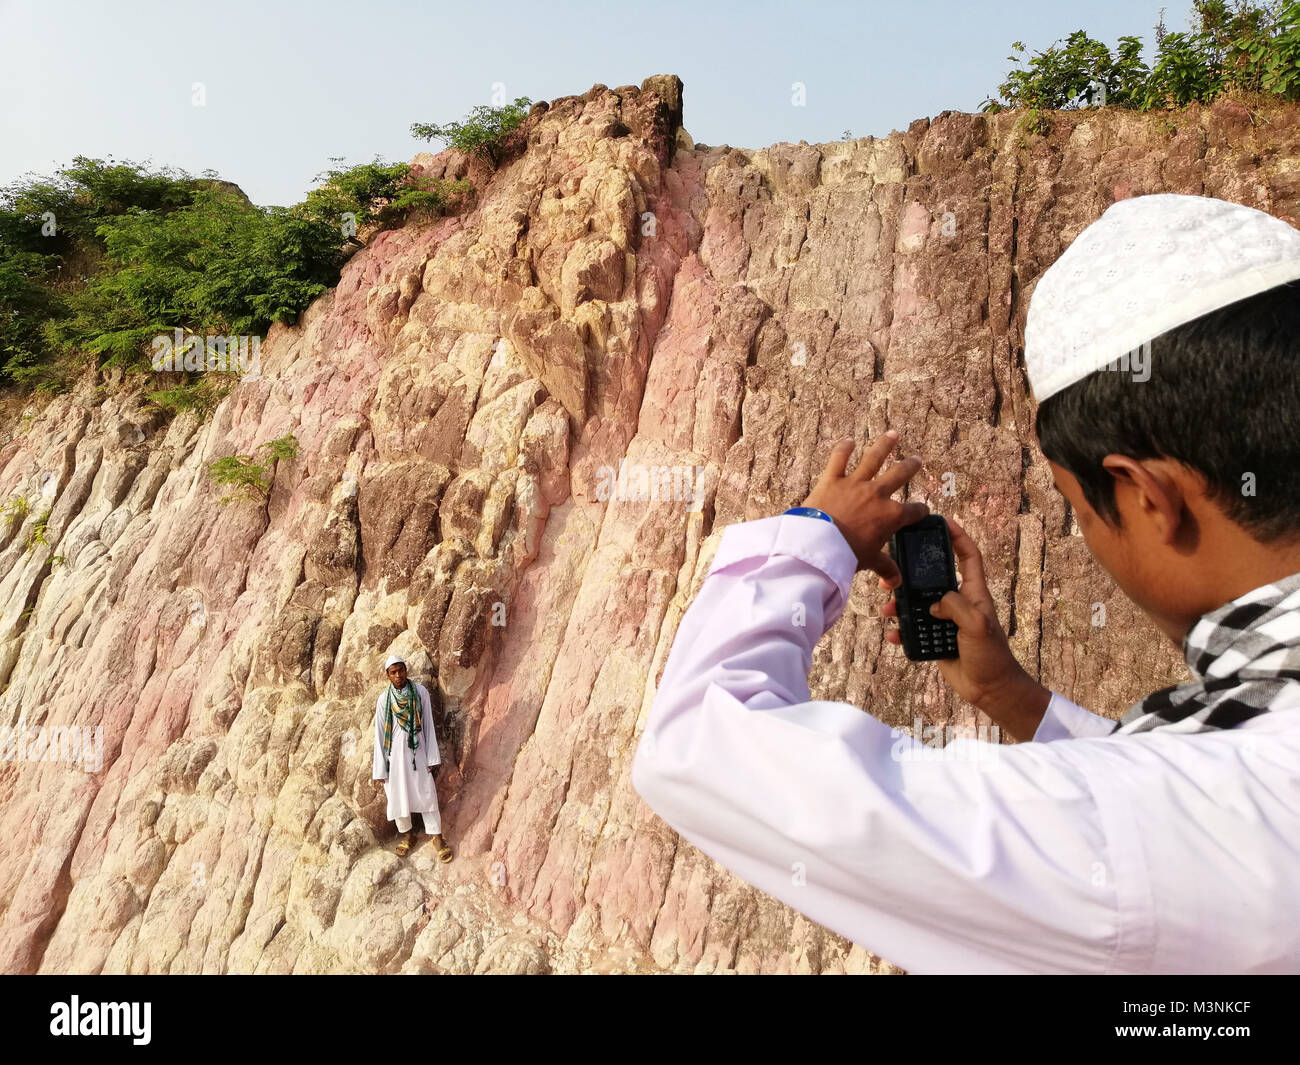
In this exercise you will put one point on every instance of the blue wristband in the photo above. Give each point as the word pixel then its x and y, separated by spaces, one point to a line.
pixel 811 512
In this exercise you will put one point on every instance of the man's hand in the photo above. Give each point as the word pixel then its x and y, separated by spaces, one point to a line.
pixel 861 505
pixel 986 674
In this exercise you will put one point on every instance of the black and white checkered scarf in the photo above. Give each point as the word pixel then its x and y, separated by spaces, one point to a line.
pixel 1243 655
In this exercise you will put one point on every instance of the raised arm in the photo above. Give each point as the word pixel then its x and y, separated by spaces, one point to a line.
pixel 981 857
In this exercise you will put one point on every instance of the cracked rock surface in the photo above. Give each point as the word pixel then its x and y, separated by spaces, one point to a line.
pixel 617 297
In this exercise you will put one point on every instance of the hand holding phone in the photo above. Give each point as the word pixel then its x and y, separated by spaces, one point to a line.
pixel 924 556
pixel 987 674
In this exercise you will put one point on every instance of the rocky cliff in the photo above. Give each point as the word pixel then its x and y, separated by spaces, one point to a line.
pixel 481 404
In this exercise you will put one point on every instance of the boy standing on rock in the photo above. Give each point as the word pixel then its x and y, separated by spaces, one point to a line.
pixel 405 744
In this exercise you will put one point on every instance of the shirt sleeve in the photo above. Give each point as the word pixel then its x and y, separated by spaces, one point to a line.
pixel 1064 720
pixel 973 857
pixel 426 704
pixel 379 771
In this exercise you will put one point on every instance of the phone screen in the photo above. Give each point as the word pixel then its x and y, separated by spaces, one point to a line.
pixel 927 561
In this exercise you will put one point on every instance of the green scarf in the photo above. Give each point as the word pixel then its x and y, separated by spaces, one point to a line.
pixel 407 705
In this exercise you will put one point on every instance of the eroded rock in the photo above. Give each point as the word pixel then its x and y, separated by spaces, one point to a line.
pixel 617 296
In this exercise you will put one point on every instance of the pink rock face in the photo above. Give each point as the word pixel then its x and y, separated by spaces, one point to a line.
pixel 497 414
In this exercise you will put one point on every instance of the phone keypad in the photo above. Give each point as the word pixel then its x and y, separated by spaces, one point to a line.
pixel 935 637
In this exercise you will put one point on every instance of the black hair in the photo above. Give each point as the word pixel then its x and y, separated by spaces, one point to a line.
pixel 1222 398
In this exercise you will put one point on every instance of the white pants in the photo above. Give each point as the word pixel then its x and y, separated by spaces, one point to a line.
pixel 432 822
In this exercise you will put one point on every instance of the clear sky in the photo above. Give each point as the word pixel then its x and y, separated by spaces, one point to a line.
pixel 287 84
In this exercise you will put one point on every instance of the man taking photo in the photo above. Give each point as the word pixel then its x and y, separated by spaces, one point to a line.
pixel 1166 842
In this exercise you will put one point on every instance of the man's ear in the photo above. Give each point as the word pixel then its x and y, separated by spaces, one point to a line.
pixel 1153 488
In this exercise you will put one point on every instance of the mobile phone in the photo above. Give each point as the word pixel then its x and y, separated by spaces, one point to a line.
pixel 923 552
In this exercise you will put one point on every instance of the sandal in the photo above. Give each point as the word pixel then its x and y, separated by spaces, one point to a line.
pixel 404 845
pixel 444 853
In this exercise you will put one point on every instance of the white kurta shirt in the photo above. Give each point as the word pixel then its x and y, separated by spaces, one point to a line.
pixel 1079 852
pixel 410 790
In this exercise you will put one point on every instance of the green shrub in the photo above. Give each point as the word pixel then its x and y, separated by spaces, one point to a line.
pixel 26 302
pixel 432 196
pixel 201 396
pixel 376 194
pixel 49 241
pixel 81 195
pixel 36 534
pixel 135 253
pixel 15 511
pixel 482 133
pixel 1034 121
pixel 1247 48
pixel 1079 73
pixel 282 448
pixel 248 477
pixel 218 265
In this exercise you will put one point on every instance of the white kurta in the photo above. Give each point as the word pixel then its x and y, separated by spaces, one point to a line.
pixel 409 790
pixel 1081 851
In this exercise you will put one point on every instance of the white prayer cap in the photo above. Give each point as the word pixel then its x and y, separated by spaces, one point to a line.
pixel 394 660
pixel 1148 264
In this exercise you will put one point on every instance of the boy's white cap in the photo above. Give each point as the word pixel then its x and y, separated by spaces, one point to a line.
pixel 1148 264
pixel 394 660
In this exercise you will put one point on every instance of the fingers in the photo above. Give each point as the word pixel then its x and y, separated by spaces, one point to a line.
pixel 897 475
pixel 910 512
pixel 969 561
pixel 839 458
pixel 888 570
pixel 892 633
pixel 875 455
pixel 869 466
pixel 890 610
pixel 961 611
